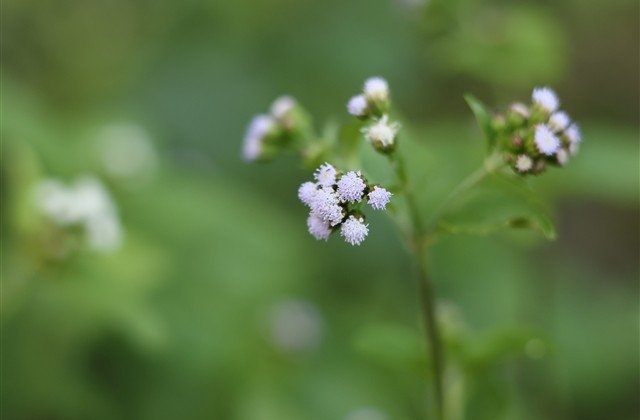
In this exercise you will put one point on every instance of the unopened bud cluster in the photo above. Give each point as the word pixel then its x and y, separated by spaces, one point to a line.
pixel 537 135
pixel 373 105
pixel 277 130
pixel 335 202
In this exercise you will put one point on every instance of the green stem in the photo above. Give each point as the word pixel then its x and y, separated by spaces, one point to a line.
pixel 427 297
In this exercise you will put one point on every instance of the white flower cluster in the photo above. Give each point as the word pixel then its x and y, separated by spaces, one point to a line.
pixel 85 203
pixel 334 201
pixel 264 127
pixel 541 134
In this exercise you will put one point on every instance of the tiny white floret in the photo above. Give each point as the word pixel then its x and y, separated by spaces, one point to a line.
pixel 319 228
pixel 351 187
pixel 381 133
pixel 546 99
pixel 546 142
pixel 307 192
pixel 379 198
pixel 354 230
pixel 520 109
pixel 559 121
pixel 376 89
pixel 326 205
pixel 259 126
pixel 326 175
pixel 524 163
pixel 573 133
pixel 357 106
pixel 282 105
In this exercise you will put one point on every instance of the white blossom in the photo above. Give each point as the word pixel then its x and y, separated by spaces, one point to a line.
pixel 520 109
pixel 376 89
pixel 559 121
pixel 573 133
pixel 259 126
pixel 546 99
pixel 351 187
pixel 307 192
pixel 326 175
pixel 379 198
pixel 295 325
pixel 562 156
pixel 318 228
pixel 524 163
pixel 354 230
pixel 357 106
pixel 282 105
pixel 546 142
pixel 381 132
pixel 326 205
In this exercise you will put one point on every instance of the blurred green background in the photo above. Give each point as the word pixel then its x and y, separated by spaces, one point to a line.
pixel 216 303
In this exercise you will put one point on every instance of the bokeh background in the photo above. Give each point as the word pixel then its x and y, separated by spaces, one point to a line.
pixel 205 298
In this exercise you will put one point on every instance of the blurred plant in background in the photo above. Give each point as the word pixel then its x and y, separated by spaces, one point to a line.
pixel 179 320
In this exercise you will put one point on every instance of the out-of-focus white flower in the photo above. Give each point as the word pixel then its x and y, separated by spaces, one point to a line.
pixel 282 105
pixel 376 89
pixel 357 106
pixel 259 126
pixel 104 231
pixel 574 148
pixel 381 133
pixel 546 99
pixel 379 198
pixel 524 163
pixel 546 142
pixel 351 187
pixel 326 175
pixel 318 228
pixel 562 156
pixel 559 121
pixel 307 192
pixel 296 325
pixel 57 202
pixel 366 413
pixel 520 109
pixel 326 205
pixel 354 230
pixel 126 151
pixel 573 133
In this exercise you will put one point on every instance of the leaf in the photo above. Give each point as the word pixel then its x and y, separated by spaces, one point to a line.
pixel 498 203
pixel 483 117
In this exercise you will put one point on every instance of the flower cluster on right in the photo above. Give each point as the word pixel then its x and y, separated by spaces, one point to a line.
pixel 538 135
pixel 334 201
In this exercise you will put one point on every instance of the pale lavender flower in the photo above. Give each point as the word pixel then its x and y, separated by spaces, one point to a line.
pixel 259 126
pixel 326 175
pixel 318 228
pixel 354 230
pixel 559 121
pixel 282 105
pixel 351 187
pixel 376 89
pixel 357 106
pixel 573 134
pixel 307 192
pixel 379 198
pixel 546 142
pixel 546 99
pixel 326 205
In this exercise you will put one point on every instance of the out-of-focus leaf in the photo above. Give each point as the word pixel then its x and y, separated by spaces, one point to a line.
pixel 392 345
pixel 483 117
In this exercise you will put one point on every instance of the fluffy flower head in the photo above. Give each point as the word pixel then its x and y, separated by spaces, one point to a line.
pixel 546 99
pixel 559 121
pixel 573 134
pixel 546 142
pixel 562 157
pixel 307 192
pixel 318 228
pixel 325 175
pixel 282 105
pixel 381 133
pixel 376 89
pixel 351 187
pixel 379 198
pixel 326 206
pixel 354 230
pixel 357 106
pixel 258 128
pixel 524 163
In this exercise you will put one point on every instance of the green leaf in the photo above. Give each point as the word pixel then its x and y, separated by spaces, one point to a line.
pixel 393 345
pixel 483 117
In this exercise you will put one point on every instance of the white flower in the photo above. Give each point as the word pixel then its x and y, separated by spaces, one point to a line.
pixel 318 227
pixel 307 192
pixel 357 106
pixel 57 202
pixel 562 157
pixel 524 163
pixel 546 99
pixel 573 134
pixel 376 89
pixel 559 121
pixel 354 230
pixel 351 187
pixel 379 198
pixel 259 126
pixel 326 175
pixel 381 133
pixel 104 231
pixel 326 205
pixel 520 109
pixel 282 106
pixel 545 140
pixel 296 325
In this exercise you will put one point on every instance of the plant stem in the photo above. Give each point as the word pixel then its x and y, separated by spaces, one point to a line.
pixel 427 297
